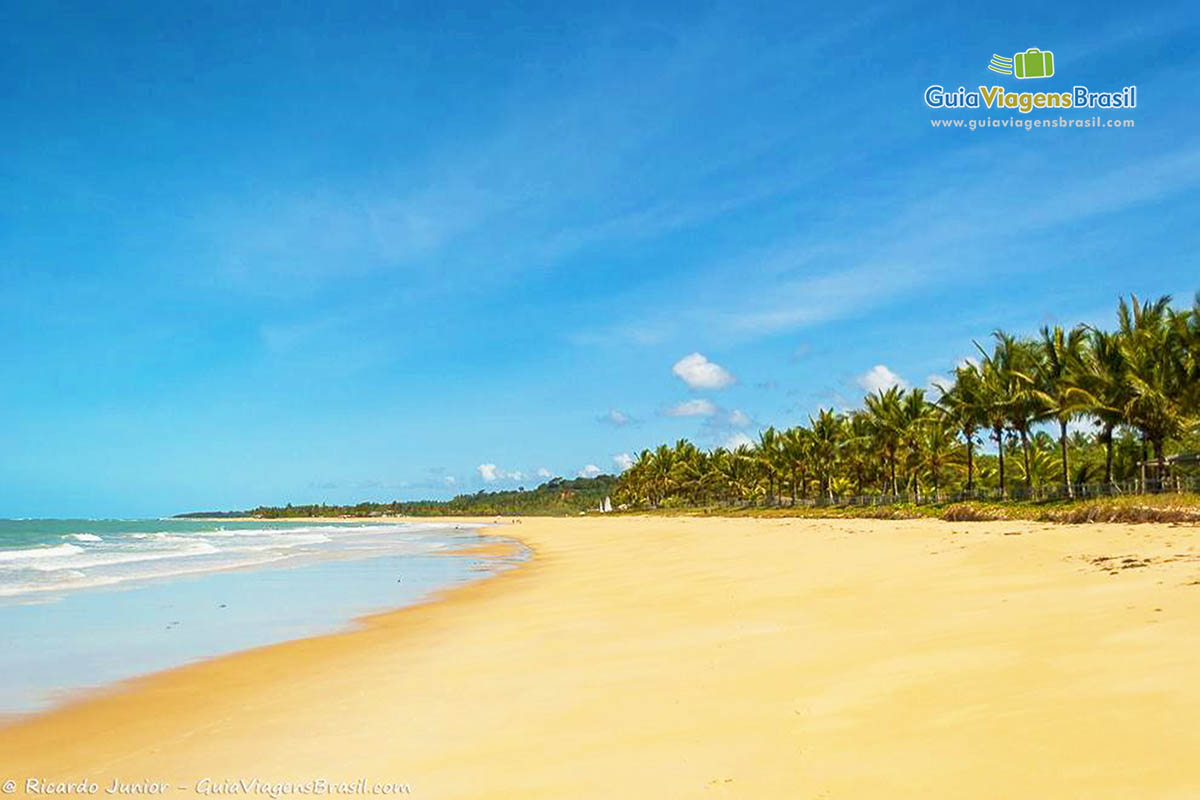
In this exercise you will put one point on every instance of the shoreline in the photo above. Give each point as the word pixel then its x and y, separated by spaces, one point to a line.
pixel 131 701
pixel 71 645
pixel 698 657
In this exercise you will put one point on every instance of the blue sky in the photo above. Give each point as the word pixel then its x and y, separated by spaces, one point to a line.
pixel 375 251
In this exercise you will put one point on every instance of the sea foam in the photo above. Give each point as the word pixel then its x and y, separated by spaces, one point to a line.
pixel 39 552
pixel 139 552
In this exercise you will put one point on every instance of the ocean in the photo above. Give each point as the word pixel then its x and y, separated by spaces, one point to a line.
pixel 85 603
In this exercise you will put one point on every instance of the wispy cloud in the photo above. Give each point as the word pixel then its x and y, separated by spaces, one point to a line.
pixel 692 408
pixel 724 425
pixel 546 177
pixel 826 276
pixel 615 417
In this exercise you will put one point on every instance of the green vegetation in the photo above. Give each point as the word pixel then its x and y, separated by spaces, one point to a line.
pixel 1137 387
pixel 1168 507
pixel 554 497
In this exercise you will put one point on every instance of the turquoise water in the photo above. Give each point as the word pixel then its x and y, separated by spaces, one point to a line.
pixel 50 558
pixel 84 603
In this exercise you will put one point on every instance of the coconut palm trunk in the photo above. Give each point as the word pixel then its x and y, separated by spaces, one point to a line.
pixel 1159 465
pixel 970 464
pixel 1025 457
pixel 998 433
pixel 1062 442
pixel 1108 454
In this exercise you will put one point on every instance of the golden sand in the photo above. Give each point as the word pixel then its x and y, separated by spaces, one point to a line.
pixel 679 658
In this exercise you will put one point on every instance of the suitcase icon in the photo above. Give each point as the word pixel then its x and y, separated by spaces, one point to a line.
pixel 1033 63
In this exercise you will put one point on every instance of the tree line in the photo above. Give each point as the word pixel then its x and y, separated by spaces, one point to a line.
pixel 554 497
pixel 1136 388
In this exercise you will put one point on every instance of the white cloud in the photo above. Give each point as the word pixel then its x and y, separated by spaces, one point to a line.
pixel 738 439
pixel 699 373
pixel 491 473
pixel 623 461
pixel 692 408
pixel 450 480
pixel 590 471
pixel 937 380
pixel 543 472
pixel 616 417
pixel 738 418
pixel 880 378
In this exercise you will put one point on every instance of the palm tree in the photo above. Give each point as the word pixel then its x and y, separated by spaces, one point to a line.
pixel 716 477
pixel 635 484
pixel 937 447
pixel 1187 330
pixel 661 468
pixel 886 418
pixel 1109 388
pixel 994 399
pixel 1059 385
pixel 769 455
pixel 1155 370
pixel 744 469
pixel 962 403
pixel 1043 462
pixel 857 454
pixel 795 445
pixel 1017 360
pixel 914 413
pixel 687 470
pixel 826 441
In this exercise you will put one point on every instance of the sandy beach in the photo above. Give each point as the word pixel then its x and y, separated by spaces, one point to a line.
pixel 676 658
